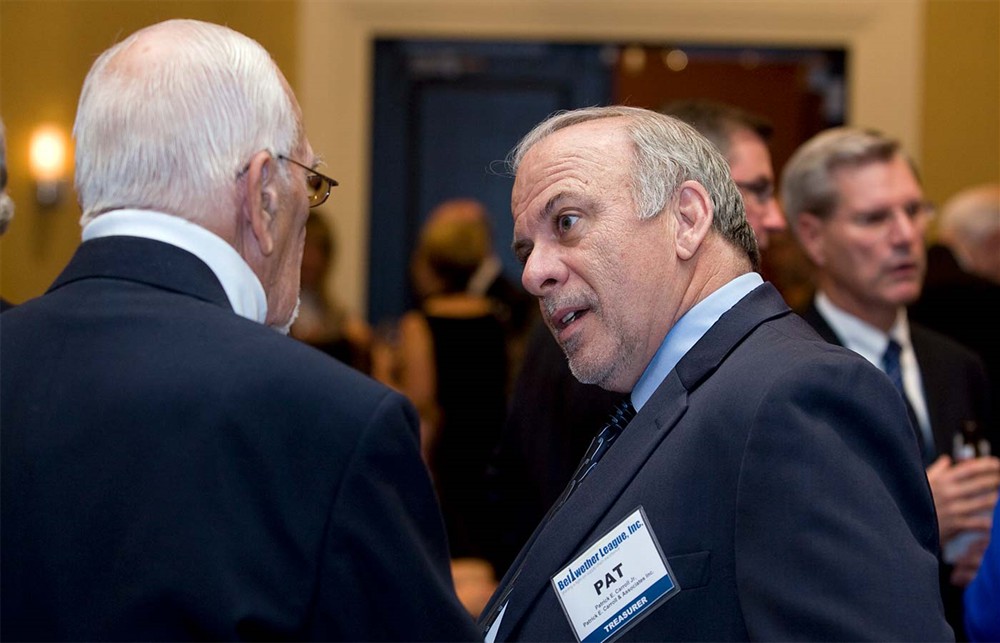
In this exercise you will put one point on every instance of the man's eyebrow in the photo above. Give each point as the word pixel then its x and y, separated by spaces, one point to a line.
pixel 522 247
pixel 551 204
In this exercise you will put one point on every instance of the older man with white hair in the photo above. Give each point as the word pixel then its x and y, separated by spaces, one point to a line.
pixel 970 226
pixel 963 273
pixel 174 469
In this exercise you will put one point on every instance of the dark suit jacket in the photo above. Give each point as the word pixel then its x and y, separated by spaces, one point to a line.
pixel 551 421
pixel 956 390
pixel 957 304
pixel 173 471
pixel 954 378
pixel 783 483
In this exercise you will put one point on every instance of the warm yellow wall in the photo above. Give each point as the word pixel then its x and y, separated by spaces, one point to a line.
pixel 961 122
pixel 46 48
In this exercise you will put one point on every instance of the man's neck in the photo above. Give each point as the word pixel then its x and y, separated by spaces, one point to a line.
pixel 881 317
pixel 725 264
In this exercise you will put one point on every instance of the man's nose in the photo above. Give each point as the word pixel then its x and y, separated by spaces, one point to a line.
pixel 774 218
pixel 542 271
pixel 904 229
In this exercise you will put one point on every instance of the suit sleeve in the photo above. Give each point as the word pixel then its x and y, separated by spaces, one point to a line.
pixel 836 536
pixel 385 573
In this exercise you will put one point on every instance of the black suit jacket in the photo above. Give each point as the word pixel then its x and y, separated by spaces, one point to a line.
pixel 173 471
pixel 782 481
pixel 551 421
pixel 963 307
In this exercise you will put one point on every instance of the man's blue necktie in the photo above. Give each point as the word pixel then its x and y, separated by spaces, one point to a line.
pixel 622 415
pixel 893 368
pixel 890 362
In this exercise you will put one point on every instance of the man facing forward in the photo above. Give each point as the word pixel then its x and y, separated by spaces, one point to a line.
pixel 752 496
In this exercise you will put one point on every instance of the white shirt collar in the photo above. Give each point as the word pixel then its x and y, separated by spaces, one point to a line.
pixel 870 342
pixel 860 336
pixel 243 288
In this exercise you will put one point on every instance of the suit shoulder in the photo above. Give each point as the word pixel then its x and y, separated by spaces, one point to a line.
pixel 264 365
pixel 798 334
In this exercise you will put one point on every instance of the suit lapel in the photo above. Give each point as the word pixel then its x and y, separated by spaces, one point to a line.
pixel 820 325
pixel 571 527
pixel 562 535
pixel 935 382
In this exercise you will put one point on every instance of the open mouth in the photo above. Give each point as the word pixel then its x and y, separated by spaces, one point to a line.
pixel 566 318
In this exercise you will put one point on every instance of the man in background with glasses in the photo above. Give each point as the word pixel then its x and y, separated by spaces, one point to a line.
pixel 172 468
pixel 742 138
pixel 856 206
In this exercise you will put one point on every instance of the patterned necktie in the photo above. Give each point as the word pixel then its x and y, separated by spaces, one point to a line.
pixel 622 415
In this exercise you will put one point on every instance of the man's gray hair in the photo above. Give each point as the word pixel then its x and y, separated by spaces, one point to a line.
pixel 170 116
pixel 667 152
pixel 807 182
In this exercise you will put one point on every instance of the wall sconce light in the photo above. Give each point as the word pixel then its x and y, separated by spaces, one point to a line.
pixel 48 164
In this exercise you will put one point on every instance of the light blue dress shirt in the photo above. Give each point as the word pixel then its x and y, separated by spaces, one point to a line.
pixel 687 331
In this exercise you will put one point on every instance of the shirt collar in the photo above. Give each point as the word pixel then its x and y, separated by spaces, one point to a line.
pixel 860 336
pixel 687 331
pixel 243 288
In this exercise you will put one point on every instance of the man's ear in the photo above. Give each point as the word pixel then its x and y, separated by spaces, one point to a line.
pixel 809 232
pixel 259 202
pixel 694 218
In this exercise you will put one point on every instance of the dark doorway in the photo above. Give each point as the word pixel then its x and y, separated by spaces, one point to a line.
pixel 446 113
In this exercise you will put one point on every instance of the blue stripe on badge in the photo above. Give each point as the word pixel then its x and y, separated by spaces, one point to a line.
pixel 620 621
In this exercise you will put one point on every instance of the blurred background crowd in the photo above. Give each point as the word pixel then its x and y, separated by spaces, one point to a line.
pixel 407 273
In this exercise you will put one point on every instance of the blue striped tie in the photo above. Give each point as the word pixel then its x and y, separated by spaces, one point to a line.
pixel 622 415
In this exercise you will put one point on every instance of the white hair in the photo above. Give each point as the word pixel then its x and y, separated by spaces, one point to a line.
pixel 971 215
pixel 170 116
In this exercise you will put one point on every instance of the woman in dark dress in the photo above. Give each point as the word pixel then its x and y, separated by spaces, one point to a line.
pixel 451 361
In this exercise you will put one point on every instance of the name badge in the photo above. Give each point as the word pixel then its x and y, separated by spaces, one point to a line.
pixel 615 582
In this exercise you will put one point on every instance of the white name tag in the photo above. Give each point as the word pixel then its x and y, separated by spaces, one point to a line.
pixel 615 582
